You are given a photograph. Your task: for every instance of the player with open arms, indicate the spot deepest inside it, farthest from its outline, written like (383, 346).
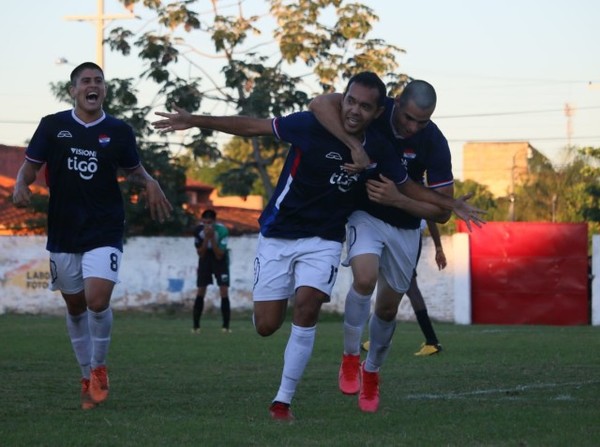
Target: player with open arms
(383, 235)
(302, 228)
(83, 149)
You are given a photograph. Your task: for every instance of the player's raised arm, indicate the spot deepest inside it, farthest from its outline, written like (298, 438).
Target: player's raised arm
(386, 192)
(243, 126)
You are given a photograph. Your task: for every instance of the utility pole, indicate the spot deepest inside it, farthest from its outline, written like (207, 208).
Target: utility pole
(101, 19)
(511, 197)
(569, 112)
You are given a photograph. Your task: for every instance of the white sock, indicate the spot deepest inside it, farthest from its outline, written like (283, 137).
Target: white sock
(79, 333)
(380, 336)
(356, 315)
(100, 328)
(297, 354)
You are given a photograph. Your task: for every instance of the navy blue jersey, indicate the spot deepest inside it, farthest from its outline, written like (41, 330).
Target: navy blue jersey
(86, 206)
(426, 156)
(314, 195)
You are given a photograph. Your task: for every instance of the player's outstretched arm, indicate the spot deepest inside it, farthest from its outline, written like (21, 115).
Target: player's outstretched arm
(386, 192)
(326, 109)
(243, 126)
(156, 201)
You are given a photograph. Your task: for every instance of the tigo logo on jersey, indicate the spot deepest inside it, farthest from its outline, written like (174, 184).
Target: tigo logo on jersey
(84, 162)
(343, 180)
(410, 154)
(103, 140)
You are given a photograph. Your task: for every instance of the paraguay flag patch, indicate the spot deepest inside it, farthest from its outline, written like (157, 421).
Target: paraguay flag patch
(103, 140)
(410, 154)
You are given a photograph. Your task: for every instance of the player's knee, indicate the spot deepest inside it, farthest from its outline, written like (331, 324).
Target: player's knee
(364, 285)
(264, 328)
(387, 313)
(76, 307)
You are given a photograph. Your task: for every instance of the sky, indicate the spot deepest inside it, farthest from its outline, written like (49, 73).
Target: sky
(503, 70)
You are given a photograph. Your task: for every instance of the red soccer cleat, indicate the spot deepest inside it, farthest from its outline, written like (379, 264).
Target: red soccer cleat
(99, 384)
(348, 378)
(368, 398)
(281, 412)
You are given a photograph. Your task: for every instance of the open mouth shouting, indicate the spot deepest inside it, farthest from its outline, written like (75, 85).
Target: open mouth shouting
(92, 98)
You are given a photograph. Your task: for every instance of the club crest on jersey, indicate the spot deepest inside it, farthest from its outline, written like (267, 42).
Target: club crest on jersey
(103, 140)
(410, 154)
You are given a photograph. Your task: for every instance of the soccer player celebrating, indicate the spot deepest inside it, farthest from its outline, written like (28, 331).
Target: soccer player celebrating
(302, 228)
(82, 149)
(384, 232)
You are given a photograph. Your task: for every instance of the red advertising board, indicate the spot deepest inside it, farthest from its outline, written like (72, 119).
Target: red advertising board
(529, 273)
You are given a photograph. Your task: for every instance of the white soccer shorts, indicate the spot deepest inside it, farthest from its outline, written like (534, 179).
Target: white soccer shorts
(68, 270)
(283, 265)
(397, 248)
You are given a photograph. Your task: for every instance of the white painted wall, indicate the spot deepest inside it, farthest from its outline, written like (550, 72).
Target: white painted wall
(151, 268)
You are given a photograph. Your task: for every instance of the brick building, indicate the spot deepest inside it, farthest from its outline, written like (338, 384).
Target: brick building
(499, 166)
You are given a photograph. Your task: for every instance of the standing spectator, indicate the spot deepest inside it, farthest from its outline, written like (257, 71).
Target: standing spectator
(83, 148)
(210, 240)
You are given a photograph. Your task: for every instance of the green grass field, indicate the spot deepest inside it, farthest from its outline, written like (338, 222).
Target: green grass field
(492, 386)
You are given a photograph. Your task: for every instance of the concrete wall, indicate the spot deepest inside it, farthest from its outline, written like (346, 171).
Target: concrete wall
(162, 272)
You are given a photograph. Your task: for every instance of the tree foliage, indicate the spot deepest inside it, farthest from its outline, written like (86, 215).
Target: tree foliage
(569, 194)
(481, 197)
(255, 79)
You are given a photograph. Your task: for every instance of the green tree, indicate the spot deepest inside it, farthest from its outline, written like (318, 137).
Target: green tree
(591, 171)
(481, 198)
(255, 80)
(535, 200)
(570, 193)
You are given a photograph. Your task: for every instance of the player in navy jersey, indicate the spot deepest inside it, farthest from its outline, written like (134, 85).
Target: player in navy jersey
(303, 225)
(383, 235)
(82, 149)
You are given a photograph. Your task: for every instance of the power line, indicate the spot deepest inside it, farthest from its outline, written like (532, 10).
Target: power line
(437, 117)
(523, 112)
(508, 140)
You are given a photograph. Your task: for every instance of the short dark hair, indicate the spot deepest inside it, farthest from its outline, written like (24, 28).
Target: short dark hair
(84, 66)
(209, 214)
(371, 80)
(421, 93)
